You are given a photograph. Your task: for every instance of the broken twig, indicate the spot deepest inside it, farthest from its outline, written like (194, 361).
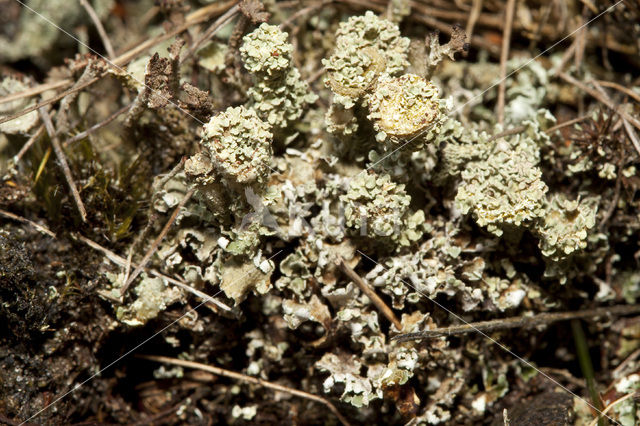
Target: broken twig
(156, 242)
(600, 97)
(101, 31)
(119, 260)
(372, 295)
(63, 162)
(519, 322)
(40, 228)
(504, 56)
(248, 379)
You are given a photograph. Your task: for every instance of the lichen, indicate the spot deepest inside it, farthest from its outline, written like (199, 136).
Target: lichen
(279, 95)
(154, 295)
(237, 147)
(358, 390)
(378, 208)
(405, 107)
(24, 123)
(504, 192)
(564, 227)
(349, 63)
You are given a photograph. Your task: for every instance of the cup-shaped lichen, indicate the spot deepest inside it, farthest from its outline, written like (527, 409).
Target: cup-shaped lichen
(503, 192)
(266, 51)
(279, 94)
(238, 145)
(375, 205)
(404, 107)
(363, 43)
(564, 228)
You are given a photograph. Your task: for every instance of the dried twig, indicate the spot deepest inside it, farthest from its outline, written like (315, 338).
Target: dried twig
(613, 204)
(95, 127)
(476, 9)
(119, 260)
(28, 144)
(600, 97)
(629, 361)
(153, 215)
(156, 242)
(304, 11)
(40, 228)
(372, 295)
(613, 404)
(632, 135)
(36, 90)
(103, 34)
(248, 379)
(504, 55)
(508, 132)
(194, 18)
(63, 162)
(520, 129)
(427, 19)
(566, 123)
(619, 88)
(48, 101)
(211, 31)
(519, 322)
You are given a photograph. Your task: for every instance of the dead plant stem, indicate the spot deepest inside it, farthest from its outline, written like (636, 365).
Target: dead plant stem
(368, 291)
(247, 379)
(504, 56)
(520, 322)
(57, 149)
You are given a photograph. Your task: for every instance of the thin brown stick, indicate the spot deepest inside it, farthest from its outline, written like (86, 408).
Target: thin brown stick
(566, 123)
(57, 149)
(619, 88)
(476, 9)
(101, 31)
(210, 32)
(10, 422)
(520, 129)
(40, 228)
(194, 18)
(247, 379)
(372, 295)
(629, 361)
(610, 406)
(508, 132)
(566, 56)
(632, 135)
(156, 242)
(581, 44)
(305, 11)
(28, 144)
(49, 101)
(600, 97)
(36, 90)
(614, 202)
(120, 261)
(95, 127)
(519, 322)
(153, 215)
(427, 19)
(566, 375)
(504, 56)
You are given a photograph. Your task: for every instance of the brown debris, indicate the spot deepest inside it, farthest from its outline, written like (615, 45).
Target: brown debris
(254, 10)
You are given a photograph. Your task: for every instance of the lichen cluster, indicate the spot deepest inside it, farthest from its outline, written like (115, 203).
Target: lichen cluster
(344, 158)
(279, 94)
(347, 189)
(237, 147)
